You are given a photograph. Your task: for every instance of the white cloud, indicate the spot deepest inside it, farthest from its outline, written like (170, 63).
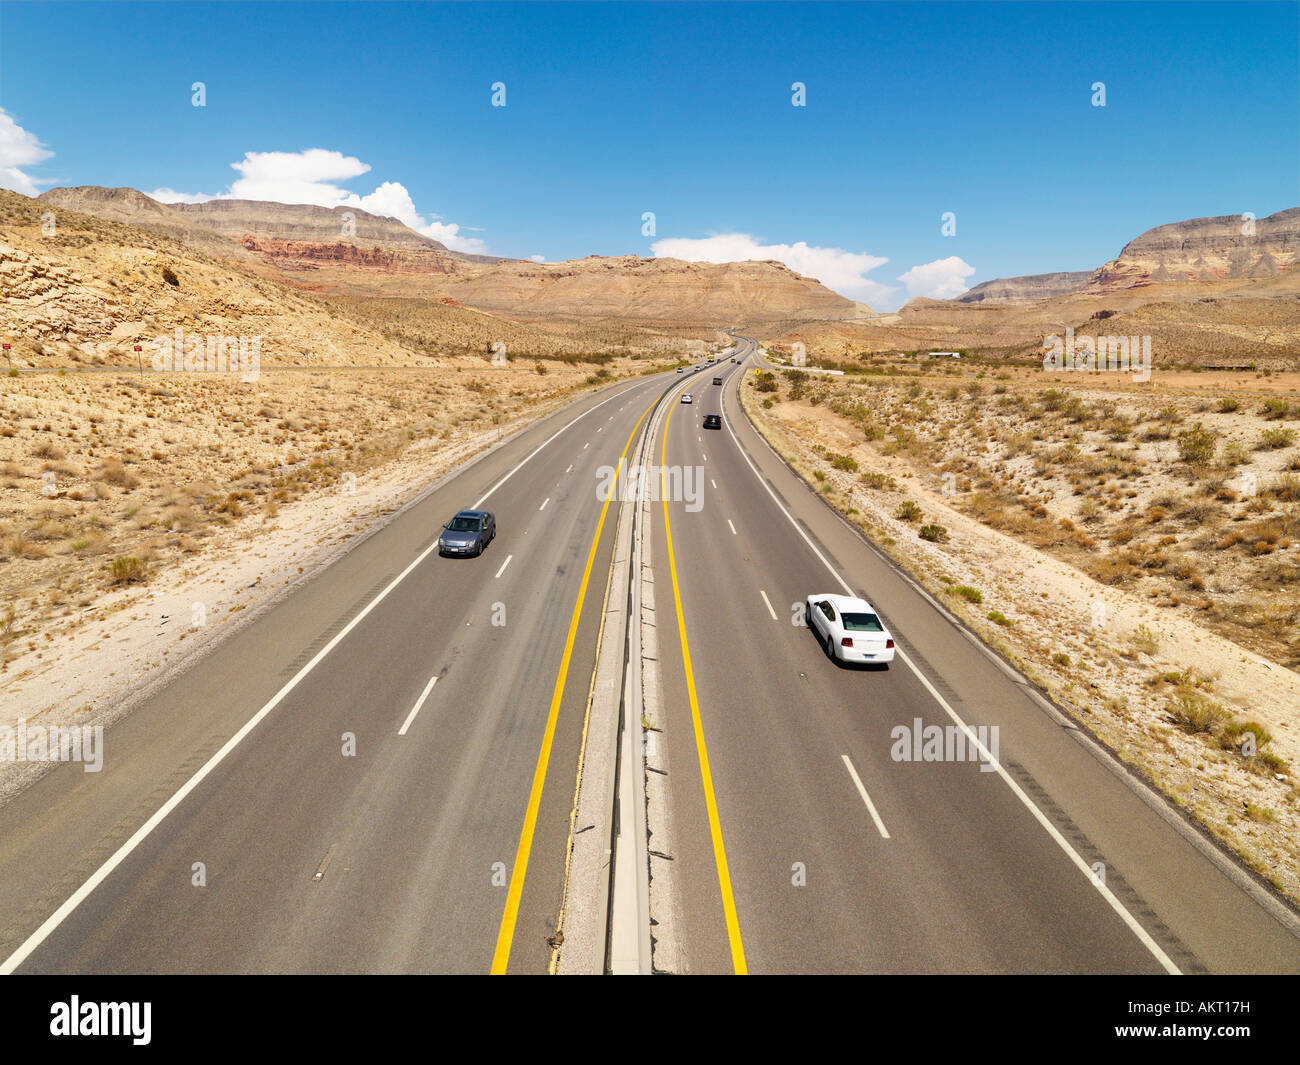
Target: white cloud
(537, 258)
(18, 148)
(295, 177)
(941, 280)
(172, 196)
(839, 270)
(314, 176)
(449, 234)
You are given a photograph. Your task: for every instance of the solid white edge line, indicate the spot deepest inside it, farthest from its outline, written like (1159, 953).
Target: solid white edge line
(871, 807)
(1119, 908)
(419, 703)
(124, 851)
(503, 566)
(768, 602)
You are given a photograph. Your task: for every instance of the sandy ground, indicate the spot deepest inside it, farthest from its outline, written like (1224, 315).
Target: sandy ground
(83, 664)
(1098, 666)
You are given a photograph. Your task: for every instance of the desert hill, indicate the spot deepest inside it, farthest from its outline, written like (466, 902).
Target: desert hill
(1199, 249)
(312, 249)
(1205, 249)
(1028, 287)
(645, 290)
(90, 292)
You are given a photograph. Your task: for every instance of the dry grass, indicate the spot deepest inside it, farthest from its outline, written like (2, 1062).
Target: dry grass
(1164, 496)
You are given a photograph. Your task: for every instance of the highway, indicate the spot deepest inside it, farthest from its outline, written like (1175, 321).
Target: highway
(839, 858)
(377, 774)
(438, 846)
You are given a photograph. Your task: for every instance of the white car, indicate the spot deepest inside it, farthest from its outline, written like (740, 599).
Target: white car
(687, 398)
(849, 629)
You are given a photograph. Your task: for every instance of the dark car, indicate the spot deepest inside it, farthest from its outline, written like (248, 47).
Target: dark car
(713, 421)
(717, 380)
(467, 533)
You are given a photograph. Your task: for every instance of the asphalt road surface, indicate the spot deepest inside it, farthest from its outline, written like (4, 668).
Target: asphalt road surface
(377, 774)
(401, 857)
(825, 854)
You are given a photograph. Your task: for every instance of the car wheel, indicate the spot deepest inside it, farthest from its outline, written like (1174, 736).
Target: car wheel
(830, 647)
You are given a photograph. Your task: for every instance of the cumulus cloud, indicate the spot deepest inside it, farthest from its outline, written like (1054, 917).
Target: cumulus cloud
(839, 270)
(172, 196)
(940, 280)
(296, 177)
(537, 258)
(450, 234)
(18, 148)
(315, 176)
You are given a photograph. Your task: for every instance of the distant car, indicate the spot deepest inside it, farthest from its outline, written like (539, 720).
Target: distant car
(680, 369)
(713, 421)
(717, 380)
(687, 398)
(849, 629)
(467, 533)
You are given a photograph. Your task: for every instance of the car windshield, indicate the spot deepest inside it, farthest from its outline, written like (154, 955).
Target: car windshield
(463, 524)
(862, 623)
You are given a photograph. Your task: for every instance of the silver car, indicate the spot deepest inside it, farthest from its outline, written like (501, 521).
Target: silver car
(467, 533)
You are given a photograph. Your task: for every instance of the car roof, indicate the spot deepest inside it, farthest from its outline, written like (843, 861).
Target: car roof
(471, 513)
(845, 602)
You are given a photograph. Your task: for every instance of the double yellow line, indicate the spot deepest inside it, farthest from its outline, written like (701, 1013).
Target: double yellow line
(506, 934)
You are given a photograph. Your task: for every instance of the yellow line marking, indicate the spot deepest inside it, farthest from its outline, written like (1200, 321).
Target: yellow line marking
(710, 802)
(506, 935)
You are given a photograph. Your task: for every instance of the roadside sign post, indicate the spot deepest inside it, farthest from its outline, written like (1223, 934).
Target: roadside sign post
(139, 359)
(9, 360)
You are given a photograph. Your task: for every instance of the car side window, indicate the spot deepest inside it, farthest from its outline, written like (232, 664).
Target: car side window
(828, 610)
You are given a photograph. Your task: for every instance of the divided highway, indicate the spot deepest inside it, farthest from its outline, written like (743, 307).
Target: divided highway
(377, 774)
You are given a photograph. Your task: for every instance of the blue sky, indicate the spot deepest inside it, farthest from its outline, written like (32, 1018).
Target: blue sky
(683, 110)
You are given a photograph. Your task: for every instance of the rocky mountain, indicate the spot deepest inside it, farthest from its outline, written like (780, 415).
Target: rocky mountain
(1206, 249)
(134, 208)
(344, 251)
(639, 289)
(1199, 250)
(88, 292)
(94, 288)
(273, 231)
(1028, 287)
